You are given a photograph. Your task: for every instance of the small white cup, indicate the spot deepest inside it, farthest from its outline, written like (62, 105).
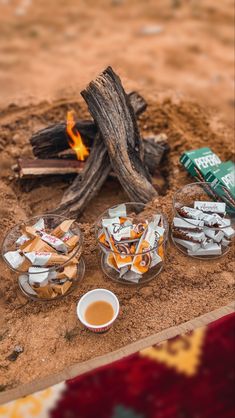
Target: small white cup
(94, 296)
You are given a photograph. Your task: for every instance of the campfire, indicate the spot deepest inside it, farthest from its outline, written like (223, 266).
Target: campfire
(75, 139)
(110, 144)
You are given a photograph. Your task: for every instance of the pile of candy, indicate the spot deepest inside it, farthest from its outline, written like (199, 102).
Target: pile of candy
(39, 253)
(132, 245)
(203, 230)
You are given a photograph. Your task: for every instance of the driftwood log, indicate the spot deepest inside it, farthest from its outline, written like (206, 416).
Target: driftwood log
(111, 109)
(51, 141)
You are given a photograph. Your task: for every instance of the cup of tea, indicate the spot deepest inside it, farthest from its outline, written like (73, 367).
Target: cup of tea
(98, 309)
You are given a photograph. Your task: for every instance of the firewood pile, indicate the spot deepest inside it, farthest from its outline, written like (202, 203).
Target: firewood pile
(112, 140)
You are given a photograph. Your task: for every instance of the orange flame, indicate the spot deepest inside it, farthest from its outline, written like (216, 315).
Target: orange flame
(75, 139)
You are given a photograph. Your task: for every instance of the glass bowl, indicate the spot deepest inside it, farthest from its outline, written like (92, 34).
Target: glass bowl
(133, 260)
(202, 226)
(57, 278)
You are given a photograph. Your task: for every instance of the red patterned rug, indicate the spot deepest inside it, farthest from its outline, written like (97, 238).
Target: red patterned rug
(190, 376)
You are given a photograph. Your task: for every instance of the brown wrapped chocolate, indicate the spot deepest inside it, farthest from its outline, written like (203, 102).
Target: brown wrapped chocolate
(45, 292)
(69, 271)
(61, 289)
(72, 242)
(37, 244)
(61, 229)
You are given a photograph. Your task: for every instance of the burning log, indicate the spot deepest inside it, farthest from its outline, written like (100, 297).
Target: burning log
(28, 168)
(129, 168)
(49, 142)
(110, 108)
(87, 185)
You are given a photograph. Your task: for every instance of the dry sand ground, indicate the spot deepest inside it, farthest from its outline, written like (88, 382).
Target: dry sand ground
(53, 51)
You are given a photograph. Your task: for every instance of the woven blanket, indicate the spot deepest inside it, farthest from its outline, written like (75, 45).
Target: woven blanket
(189, 376)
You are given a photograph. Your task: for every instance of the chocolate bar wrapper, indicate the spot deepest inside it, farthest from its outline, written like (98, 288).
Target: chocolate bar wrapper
(23, 280)
(38, 276)
(142, 261)
(45, 292)
(214, 207)
(213, 249)
(72, 242)
(61, 289)
(123, 270)
(188, 236)
(188, 223)
(54, 242)
(66, 236)
(38, 226)
(70, 271)
(192, 213)
(107, 222)
(123, 258)
(110, 261)
(132, 277)
(192, 246)
(63, 228)
(39, 258)
(156, 259)
(36, 244)
(17, 261)
(118, 211)
(103, 240)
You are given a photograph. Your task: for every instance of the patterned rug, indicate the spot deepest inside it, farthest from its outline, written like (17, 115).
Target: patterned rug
(190, 376)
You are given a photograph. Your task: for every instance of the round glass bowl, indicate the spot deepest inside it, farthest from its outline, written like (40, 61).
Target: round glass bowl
(132, 243)
(202, 227)
(43, 279)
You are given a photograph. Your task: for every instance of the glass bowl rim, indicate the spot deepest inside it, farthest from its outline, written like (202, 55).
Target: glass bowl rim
(200, 184)
(33, 218)
(165, 236)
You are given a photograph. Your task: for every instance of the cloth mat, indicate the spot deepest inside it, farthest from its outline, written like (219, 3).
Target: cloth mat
(189, 376)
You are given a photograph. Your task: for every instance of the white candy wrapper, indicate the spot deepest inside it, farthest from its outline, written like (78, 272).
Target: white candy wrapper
(225, 242)
(16, 260)
(38, 276)
(196, 236)
(67, 236)
(38, 226)
(54, 242)
(213, 220)
(41, 258)
(191, 212)
(120, 232)
(213, 249)
(141, 262)
(131, 276)
(118, 211)
(229, 232)
(207, 243)
(218, 236)
(107, 222)
(214, 207)
(192, 246)
(123, 271)
(156, 259)
(188, 224)
(23, 280)
(209, 232)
